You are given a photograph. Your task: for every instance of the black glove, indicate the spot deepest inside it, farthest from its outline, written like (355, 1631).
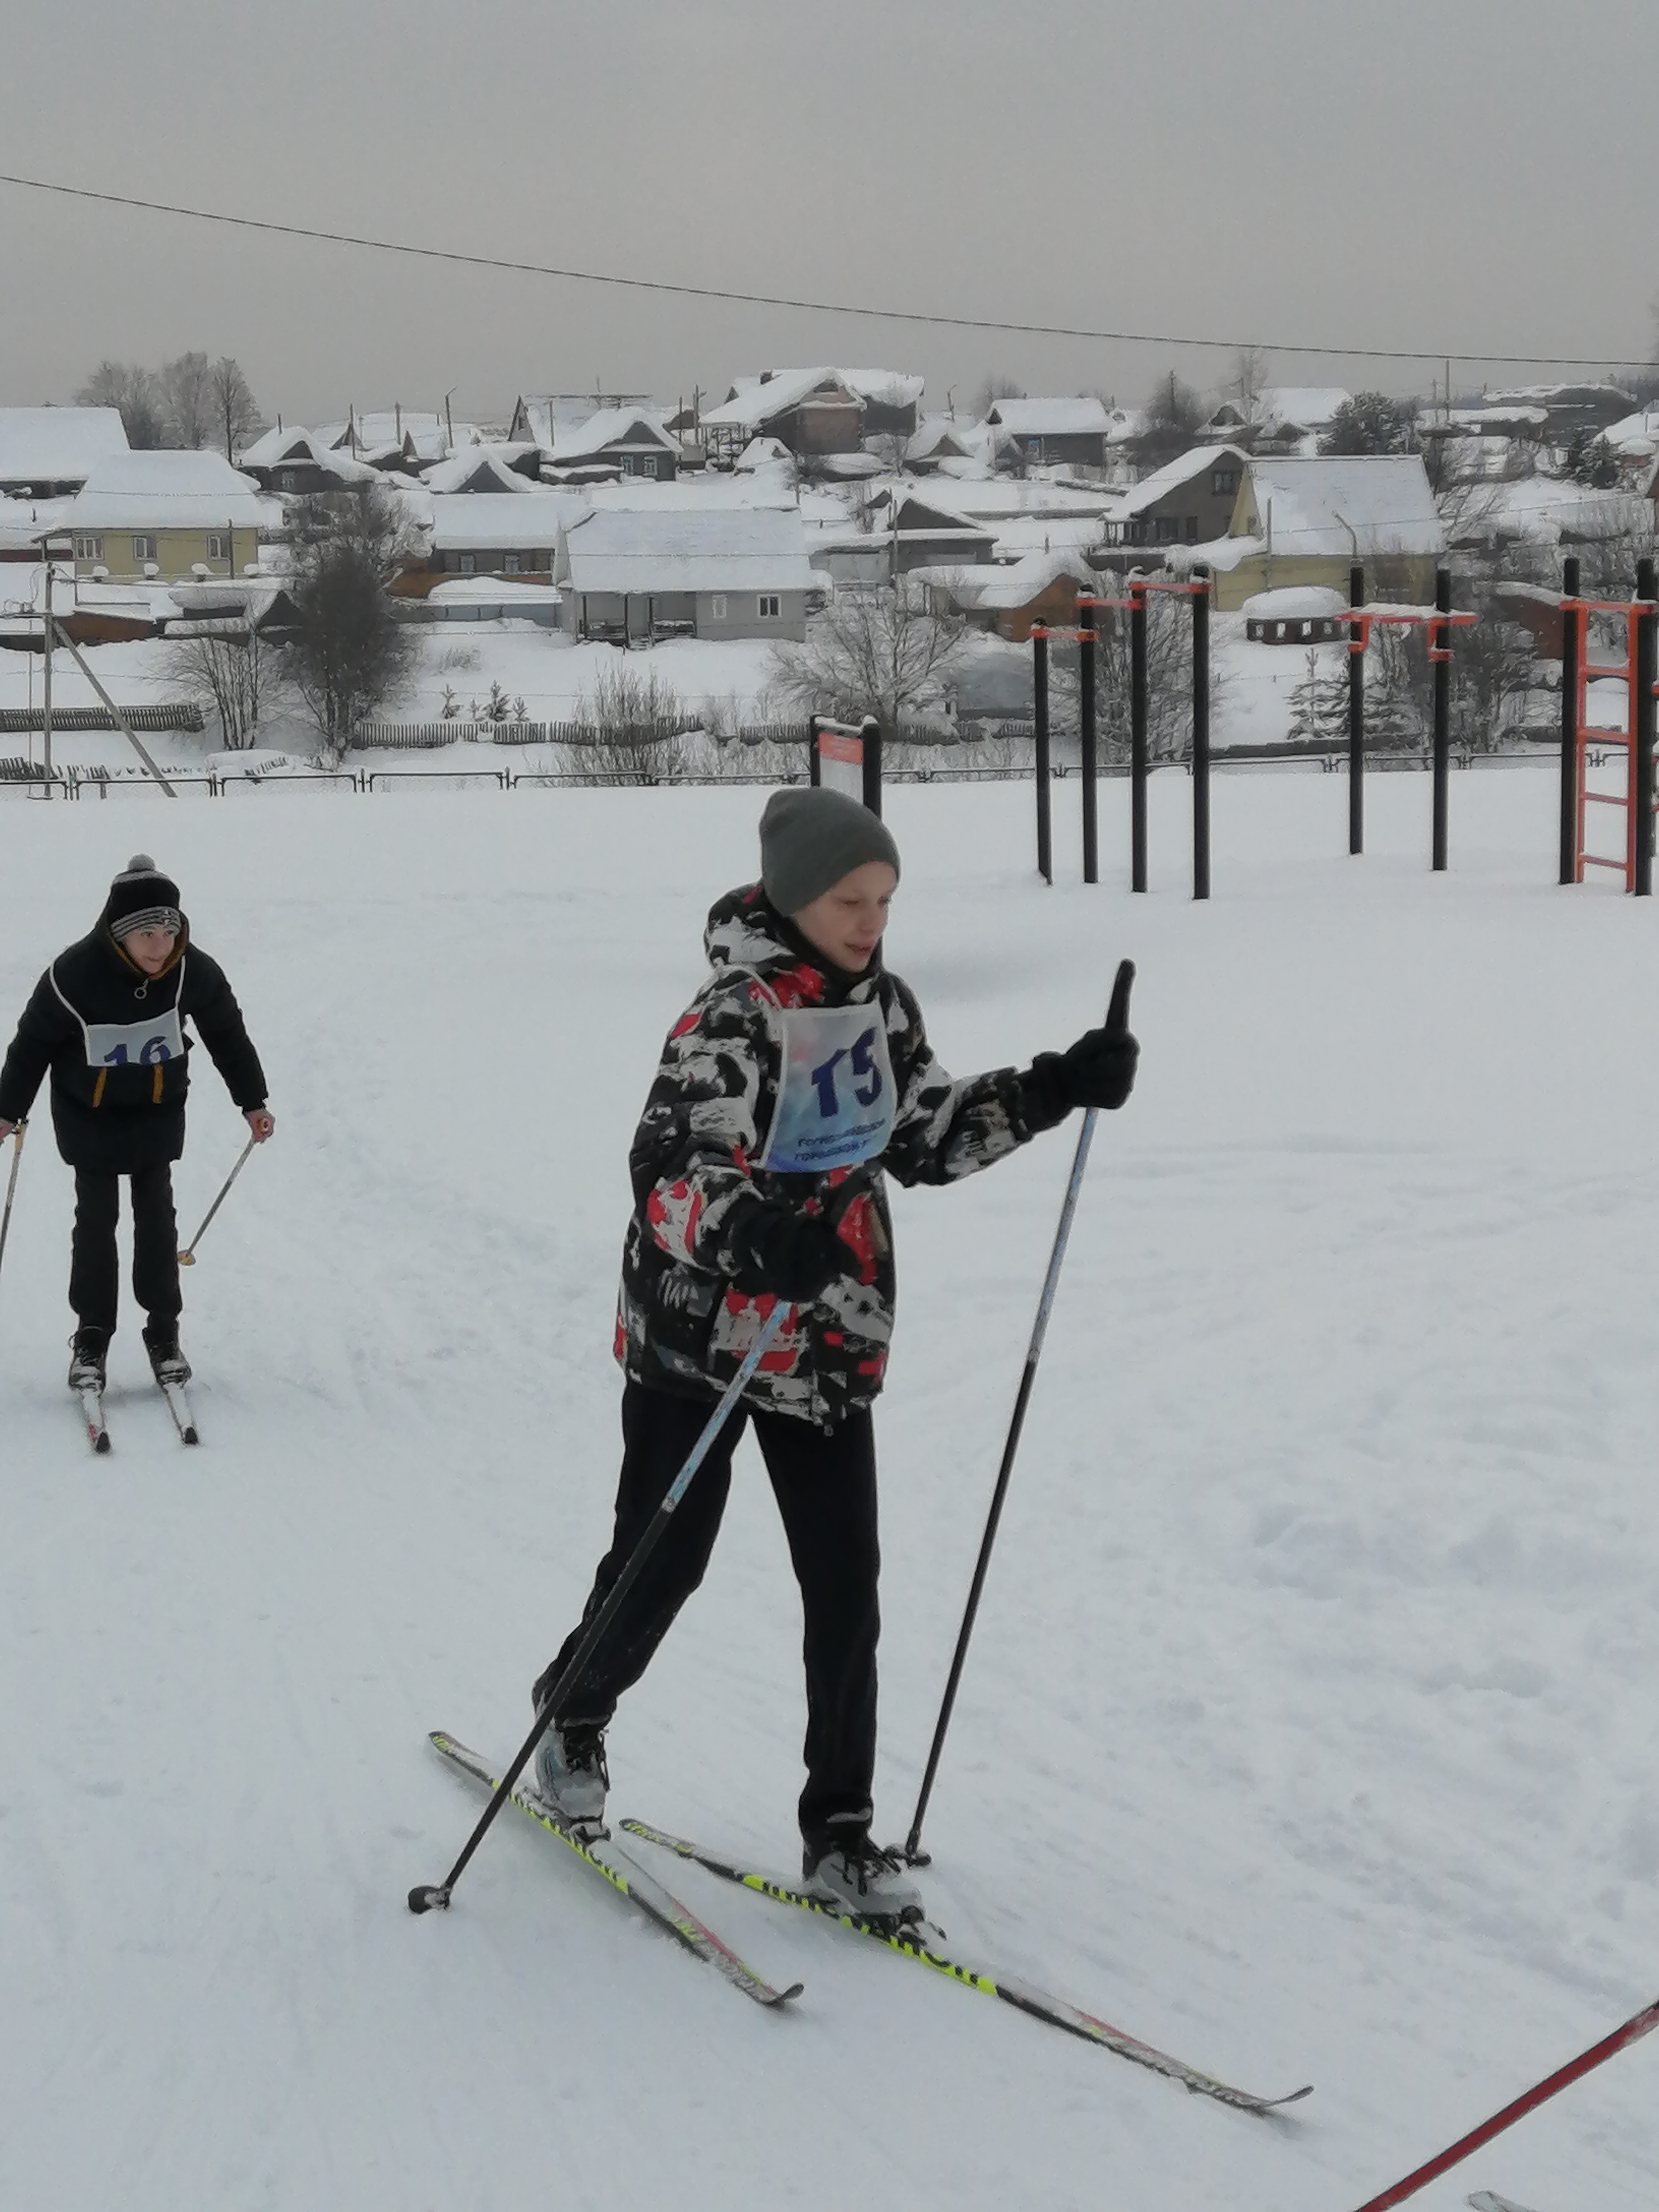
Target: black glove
(793, 1255)
(1099, 1070)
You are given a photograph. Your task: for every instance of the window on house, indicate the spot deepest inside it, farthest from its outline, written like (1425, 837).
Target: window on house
(144, 549)
(218, 546)
(767, 606)
(89, 548)
(469, 564)
(1223, 481)
(1191, 530)
(1169, 529)
(648, 465)
(627, 464)
(285, 479)
(510, 566)
(717, 607)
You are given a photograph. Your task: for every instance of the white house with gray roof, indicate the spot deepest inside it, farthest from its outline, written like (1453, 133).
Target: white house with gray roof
(631, 575)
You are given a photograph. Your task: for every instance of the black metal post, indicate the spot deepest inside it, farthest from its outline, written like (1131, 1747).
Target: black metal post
(870, 738)
(1201, 733)
(1040, 716)
(1570, 574)
(814, 767)
(1442, 635)
(1087, 762)
(1647, 667)
(1137, 735)
(1356, 718)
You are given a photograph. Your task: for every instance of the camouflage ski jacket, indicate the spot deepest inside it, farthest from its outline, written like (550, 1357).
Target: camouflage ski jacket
(680, 1325)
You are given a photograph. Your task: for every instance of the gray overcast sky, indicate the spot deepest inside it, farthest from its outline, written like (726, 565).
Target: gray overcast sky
(1464, 176)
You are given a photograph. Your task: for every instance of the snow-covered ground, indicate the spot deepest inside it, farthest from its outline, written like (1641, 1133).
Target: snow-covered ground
(1308, 1729)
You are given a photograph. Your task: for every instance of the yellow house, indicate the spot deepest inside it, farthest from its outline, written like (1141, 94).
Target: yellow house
(165, 516)
(1307, 519)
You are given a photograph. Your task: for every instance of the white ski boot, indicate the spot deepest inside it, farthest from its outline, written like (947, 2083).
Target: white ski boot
(88, 1350)
(858, 1877)
(571, 1774)
(166, 1361)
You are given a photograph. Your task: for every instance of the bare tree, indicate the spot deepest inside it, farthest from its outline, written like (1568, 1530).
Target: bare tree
(230, 398)
(633, 727)
(993, 388)
(1169, 681)
(229, 667)
(348, 652)
(1250, 375)
(1174, 415)
(184, 387)
(135, 392)
(878, 653)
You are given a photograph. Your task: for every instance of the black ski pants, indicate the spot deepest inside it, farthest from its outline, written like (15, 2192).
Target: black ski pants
(825, 1482)
(95, 1268)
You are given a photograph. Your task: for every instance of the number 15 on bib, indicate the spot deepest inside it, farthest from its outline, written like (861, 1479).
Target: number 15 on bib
(834, 1103)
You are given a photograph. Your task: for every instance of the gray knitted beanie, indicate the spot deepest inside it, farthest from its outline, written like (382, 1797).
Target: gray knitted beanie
(141, 897)
(810, 838)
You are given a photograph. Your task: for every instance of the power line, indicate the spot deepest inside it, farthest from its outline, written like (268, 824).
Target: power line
(815, 306)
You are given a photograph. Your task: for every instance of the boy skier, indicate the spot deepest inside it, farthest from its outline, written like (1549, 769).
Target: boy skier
(107, 1020)
(801, 1072)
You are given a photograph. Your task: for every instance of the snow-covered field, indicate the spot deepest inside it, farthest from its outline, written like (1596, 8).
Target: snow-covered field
(1310, 1727)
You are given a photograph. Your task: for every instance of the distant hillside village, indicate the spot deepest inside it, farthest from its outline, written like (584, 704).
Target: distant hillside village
(615, 517)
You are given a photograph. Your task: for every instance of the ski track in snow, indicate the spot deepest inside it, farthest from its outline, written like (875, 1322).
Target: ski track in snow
(1309, 1727)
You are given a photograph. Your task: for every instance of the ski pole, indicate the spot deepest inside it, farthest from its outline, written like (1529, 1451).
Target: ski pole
(187, 1257)
(11, 1186)
(1117, 1018)
(422, 1898)
(1643, 2023)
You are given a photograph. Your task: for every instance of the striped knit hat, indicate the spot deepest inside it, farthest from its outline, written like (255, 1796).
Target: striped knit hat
(141, 897)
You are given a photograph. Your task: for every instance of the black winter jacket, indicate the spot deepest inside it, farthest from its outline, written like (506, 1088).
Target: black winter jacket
(681, 1325)
(114, 1040)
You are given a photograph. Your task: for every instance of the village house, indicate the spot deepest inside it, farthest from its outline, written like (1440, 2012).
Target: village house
(1186, 502)
(926, 532)
(1074, 430)
(491, 533)
(292, 460)
(168, 515)
(615, 443)
(48, 453)
(485, 469)
(1039, 591)
(892, 401)
(1303, 520)
(809, 411)
(537, 421)
(631, 575)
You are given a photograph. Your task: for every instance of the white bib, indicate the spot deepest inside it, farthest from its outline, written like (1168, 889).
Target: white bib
(835, 1105)
(158, 1036)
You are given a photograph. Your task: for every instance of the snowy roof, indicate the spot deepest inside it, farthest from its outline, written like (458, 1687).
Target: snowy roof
(1545, 511)
(392, 430)
(687, 494)
(635, 426)
(1015, 583)
(886, 386)
(167, 491)
(542, 417)
(54, 445)
(1385, 497)
(1299, 406)
(1495, 421)
(491, 463)
(275, 445)
(922, 514)
(479, 521)
(1125, 424)
(937, 434)
(998, 499)
(738, 550)
(493, 591)
(757, 400)
(1558, 395)
(1051, 418)
(1635, 437)
(1294, 603)
(1172, 476)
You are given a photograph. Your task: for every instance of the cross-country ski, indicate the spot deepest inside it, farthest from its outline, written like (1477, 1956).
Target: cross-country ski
(916, 1937)
(629, 1878)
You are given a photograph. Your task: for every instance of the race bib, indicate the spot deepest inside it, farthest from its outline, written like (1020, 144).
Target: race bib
(135, 1044)
(835, 1105)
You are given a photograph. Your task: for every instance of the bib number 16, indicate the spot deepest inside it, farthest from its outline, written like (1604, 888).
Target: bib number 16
(151, 1053)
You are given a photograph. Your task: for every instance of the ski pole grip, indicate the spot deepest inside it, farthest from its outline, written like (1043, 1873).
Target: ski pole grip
(1117, 1014)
